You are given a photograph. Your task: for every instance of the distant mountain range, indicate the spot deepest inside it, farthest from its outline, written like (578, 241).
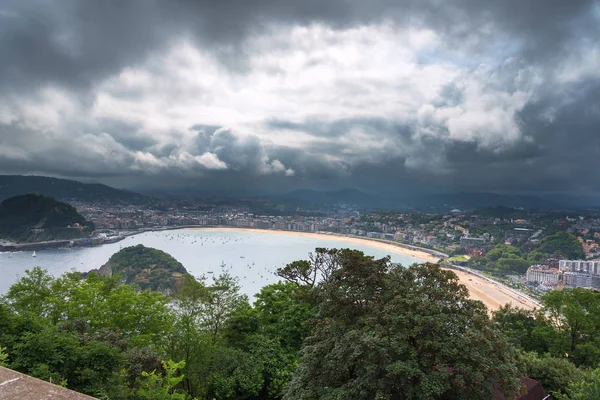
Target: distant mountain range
(423, 203)
(65, 190)
(479, 200)
(350, 197)
(304, 199)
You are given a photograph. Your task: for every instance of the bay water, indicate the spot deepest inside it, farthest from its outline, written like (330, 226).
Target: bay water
(252, 256)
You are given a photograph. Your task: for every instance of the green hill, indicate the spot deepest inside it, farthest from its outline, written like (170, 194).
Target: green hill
(35, 218)
(147, 267)
(564, 244)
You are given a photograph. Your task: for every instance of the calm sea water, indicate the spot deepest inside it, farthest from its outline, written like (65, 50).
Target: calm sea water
(251, 256)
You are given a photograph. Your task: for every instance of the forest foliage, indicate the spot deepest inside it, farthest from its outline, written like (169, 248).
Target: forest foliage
(339, 325)
(559, 343)
(146, 267)
(505, 259)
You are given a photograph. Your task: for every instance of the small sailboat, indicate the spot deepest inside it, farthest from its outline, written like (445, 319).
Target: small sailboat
(34, 255)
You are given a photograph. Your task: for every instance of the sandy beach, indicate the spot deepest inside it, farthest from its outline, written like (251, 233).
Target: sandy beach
(492, 294)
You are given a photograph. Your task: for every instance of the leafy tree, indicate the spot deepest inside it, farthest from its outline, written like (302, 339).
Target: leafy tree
(537, 257)
(575, 316)
(260, 371)
(223, 300)
(188, 341)
(567, 326)
(518, 325)
(587, 388)
(79, 331)
(3, 357)
(155, 386)
(30, 294)
(139, 360)
(204, 339)
(343, 326)
(100, 301)
(283, 312)
(390, 332)
(55, 354)
(555, 374)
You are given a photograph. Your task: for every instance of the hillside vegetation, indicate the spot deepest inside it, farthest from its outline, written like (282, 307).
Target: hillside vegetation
(564, 244)
(505, 259)
(146, 267)
(34, 218)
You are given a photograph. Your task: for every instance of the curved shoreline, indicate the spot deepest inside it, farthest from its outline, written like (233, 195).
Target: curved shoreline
(492, 293)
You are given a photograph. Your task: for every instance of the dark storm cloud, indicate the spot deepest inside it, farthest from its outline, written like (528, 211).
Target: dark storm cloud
(73, 42)
(76, 45)
(561, 151)
(126, 134)
(77, 42)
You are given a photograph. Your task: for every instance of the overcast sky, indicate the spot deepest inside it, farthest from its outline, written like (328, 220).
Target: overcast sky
(257, 96)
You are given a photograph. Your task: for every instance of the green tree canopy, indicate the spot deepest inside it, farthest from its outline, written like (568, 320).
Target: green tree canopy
(563, 340)
(502, 259)
(503, 251)
(555, 374)
(96, 305)
(587, 388)
(563, 243)
(575, 319)
(283, 312)
(146, 267)
(389, 332)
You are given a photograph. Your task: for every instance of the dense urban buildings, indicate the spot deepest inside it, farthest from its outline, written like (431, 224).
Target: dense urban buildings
(544, 249)
(570, 273)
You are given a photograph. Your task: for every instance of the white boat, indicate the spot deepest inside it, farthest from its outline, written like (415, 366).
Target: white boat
(33, 255)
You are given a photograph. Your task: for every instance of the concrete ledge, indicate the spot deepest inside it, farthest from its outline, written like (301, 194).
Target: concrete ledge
(15, 385)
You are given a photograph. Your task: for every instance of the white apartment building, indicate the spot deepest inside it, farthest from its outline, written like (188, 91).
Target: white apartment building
(539, 274)
(589, 267)
(575, 279)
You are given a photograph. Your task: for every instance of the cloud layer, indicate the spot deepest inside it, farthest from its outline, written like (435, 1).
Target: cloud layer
(267, 96)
